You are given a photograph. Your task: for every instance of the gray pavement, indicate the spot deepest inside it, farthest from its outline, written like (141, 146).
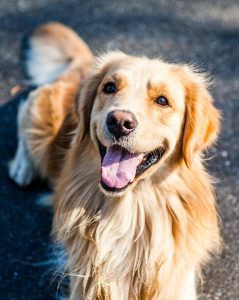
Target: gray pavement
(202, 32)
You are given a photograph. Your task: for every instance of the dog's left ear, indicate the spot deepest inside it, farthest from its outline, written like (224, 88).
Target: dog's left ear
(202, 119)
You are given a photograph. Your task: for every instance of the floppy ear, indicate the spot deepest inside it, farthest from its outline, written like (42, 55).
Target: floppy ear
(89, 88)
(202, 121)
(84, 103)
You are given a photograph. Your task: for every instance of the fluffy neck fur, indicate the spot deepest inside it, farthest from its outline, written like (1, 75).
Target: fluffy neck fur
(135, 244)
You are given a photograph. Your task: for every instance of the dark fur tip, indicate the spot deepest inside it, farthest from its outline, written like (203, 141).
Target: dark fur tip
(24, 54)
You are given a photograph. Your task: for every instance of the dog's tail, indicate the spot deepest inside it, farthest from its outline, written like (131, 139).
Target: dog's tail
(54, 50)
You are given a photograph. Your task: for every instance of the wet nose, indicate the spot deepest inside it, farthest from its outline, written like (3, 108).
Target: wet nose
(121, 123)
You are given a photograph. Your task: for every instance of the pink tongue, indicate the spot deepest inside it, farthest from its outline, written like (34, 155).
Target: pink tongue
(119, 167)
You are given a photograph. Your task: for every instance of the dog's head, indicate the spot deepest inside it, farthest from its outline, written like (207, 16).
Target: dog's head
(141, 114)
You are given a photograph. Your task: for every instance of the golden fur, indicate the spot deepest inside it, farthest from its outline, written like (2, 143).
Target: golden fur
(151, 240)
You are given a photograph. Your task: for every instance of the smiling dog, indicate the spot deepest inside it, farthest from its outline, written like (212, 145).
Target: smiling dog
(121, 139)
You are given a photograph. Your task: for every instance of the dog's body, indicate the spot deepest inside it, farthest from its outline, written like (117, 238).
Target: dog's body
(137, 217)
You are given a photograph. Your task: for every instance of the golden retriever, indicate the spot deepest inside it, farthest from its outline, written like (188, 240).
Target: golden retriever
(121, 139)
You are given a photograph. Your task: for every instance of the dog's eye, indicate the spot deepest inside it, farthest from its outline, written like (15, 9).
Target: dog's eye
(161, 100)
(110, 88)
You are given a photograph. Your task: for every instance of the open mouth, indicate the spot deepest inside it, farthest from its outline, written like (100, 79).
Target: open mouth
(120, 167)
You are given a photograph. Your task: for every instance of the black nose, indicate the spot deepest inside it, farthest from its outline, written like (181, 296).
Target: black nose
(121, 123)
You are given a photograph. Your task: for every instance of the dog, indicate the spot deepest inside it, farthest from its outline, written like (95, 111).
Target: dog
(121, 139)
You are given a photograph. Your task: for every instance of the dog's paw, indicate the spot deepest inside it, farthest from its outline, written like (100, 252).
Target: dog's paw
(22, 171)
(45, 200)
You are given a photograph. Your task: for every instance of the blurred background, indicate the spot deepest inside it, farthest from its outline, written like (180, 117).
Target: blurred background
(205, 33)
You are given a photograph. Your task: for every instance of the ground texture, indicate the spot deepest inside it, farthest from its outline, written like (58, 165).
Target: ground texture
(201, 32)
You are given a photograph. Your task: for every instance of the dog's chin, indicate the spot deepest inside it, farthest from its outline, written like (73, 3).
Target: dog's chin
(113, 192)
(147, 161)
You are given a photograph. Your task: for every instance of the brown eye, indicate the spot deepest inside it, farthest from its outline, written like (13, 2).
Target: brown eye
(110, 88)
(161, 100)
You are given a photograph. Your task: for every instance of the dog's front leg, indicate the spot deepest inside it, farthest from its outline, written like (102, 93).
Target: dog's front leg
(21, 168)
(189, 287)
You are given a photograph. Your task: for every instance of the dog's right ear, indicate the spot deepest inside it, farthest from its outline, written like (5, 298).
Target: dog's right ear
(89, 88)
(85, 101)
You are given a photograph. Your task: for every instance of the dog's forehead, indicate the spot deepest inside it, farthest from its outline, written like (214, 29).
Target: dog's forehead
(146, 72)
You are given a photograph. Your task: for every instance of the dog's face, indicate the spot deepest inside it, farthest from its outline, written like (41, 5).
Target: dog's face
(140, 117)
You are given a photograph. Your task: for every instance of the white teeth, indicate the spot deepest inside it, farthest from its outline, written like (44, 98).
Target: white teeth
(141, 156)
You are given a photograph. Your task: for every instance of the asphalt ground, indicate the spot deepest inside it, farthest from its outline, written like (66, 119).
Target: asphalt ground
(205, 33)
